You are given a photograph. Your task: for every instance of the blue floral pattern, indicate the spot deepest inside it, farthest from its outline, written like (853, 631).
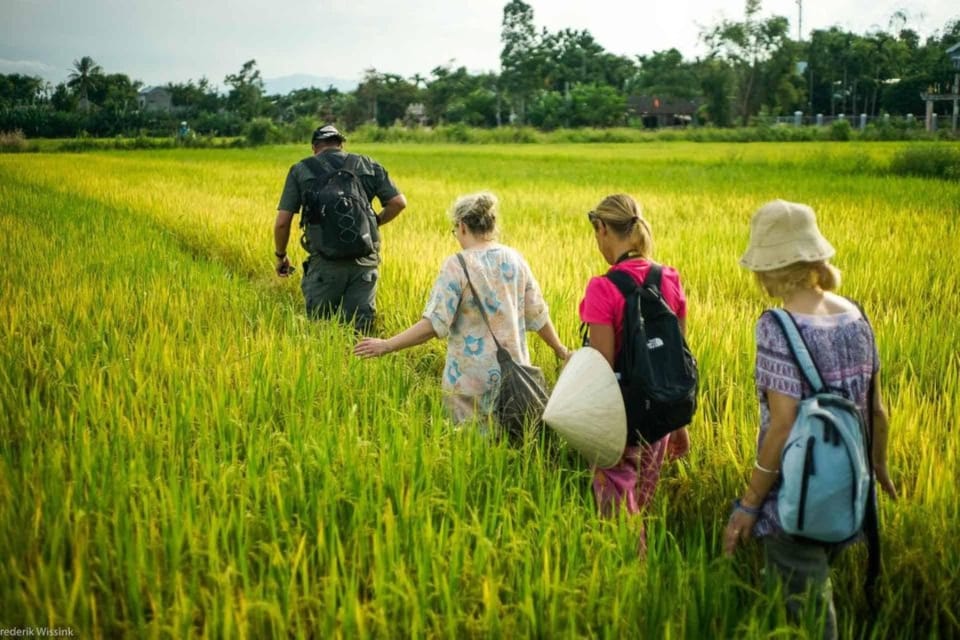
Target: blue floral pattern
(514, 303)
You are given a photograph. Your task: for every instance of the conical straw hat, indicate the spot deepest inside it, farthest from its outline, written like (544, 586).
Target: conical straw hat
(586, 408)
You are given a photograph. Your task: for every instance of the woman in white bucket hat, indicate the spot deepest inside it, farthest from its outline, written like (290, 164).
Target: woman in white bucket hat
(791, 261)
(625, 240)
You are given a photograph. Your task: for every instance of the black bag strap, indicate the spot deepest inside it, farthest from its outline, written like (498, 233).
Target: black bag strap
(323, 171)
(624, 281)
(654, 277)
(623, 359)
(351, 163)
(320, 170)
(483, 312)
(871, 519)
(322, 174)
(627, 285)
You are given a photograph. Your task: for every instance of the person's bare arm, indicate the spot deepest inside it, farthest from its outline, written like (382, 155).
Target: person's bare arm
(391, 209)
(783, 413)
(281, 237)
(881, 427)
(602, 339)
(418, 333)
(549, 335)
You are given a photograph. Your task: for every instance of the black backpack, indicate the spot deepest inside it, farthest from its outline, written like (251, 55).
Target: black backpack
(657, 372)
(338, 221)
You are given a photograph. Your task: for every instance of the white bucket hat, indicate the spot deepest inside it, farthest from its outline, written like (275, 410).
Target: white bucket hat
(586, 408)
(784, 233)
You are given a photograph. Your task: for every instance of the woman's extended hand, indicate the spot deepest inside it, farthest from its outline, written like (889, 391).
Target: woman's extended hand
(739, 529)
(371, 348)
(417, 333)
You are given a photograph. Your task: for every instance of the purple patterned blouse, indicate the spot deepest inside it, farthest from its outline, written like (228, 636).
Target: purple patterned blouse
(845, 351)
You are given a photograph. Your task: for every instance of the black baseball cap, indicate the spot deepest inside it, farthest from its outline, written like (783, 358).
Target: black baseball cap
(327, 132)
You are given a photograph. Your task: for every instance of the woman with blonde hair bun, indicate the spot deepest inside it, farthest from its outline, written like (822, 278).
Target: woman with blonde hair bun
(511, 297)
(625, 240)
(791, 261)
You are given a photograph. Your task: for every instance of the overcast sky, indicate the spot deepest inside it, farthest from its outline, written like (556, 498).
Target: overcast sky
(160, 41)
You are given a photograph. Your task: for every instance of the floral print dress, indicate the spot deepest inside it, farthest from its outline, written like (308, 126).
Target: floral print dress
(514, 305)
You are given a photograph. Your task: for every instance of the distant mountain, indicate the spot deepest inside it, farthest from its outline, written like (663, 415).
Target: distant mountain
(286, 84)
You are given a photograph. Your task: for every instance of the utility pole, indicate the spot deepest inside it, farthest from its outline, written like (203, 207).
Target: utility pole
(799, 20)
(807, 65)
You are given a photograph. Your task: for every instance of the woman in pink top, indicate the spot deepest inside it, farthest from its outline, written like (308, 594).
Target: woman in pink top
(626, 243)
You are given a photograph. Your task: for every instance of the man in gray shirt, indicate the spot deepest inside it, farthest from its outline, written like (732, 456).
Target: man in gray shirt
(344, 288)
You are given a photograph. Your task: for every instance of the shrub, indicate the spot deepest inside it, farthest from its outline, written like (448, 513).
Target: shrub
(456, 133)
(80, 143)
(840, 130)
(300, 130)
(13, 141)
(929, 161)
(260, 131)
(512, 135)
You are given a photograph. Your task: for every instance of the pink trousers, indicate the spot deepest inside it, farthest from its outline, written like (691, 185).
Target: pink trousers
(631, 482)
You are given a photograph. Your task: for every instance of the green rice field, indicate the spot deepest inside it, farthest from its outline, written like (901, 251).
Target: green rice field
(184, 455)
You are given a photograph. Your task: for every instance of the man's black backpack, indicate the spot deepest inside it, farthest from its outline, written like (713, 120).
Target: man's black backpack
(338, 221)
(657, 372)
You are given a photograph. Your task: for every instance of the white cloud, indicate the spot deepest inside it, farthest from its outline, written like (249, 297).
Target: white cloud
(176, 40)
(26, 67)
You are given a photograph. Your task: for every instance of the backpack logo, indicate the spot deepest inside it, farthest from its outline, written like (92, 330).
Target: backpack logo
(657, 372)
(338, 221)
(824, 467)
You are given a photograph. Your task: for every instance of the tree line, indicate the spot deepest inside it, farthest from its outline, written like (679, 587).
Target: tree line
(752, 69)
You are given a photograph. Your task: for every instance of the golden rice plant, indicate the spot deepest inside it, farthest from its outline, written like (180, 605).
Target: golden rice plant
(183, 454)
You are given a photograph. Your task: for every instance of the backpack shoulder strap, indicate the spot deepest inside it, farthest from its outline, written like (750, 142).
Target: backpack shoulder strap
(351, 163)
(799, 349)
(623, 281)
(317, 167)
(654, 277)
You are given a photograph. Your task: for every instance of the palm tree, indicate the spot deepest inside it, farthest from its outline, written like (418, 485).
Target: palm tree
(81, 79)
(417, 80)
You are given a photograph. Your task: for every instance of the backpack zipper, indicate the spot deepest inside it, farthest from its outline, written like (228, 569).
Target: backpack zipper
(808, 470)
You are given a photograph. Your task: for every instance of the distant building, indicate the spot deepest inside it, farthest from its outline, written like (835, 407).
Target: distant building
(155, 99)
(415, 115)
(655, 112)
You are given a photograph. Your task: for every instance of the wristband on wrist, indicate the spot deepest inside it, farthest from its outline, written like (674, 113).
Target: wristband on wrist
(760, 467)
(739, 506)
(280, 255)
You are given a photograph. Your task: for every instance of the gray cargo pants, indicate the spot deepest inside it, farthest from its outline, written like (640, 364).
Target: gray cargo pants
(340, 289)
(803, 570)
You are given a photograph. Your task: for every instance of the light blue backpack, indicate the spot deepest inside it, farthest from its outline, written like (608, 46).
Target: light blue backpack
(825, 470)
